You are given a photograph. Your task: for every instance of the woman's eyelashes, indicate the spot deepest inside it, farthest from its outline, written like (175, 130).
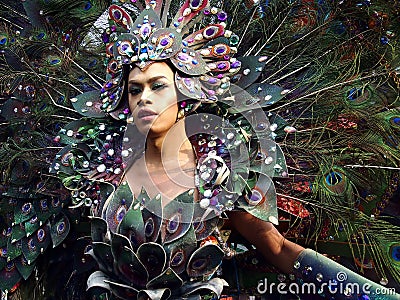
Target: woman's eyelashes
(136, 90)
(158, 86)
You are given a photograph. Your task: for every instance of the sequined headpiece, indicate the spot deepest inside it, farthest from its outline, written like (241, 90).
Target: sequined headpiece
(204, 58)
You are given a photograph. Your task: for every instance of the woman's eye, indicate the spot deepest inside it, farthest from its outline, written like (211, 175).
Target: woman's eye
(134, 91)
(157, 86)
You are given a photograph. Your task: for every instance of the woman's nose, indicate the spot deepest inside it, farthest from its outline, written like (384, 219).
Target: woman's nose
(146, 97)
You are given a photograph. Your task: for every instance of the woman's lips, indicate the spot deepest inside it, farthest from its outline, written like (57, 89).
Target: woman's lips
(146, 114)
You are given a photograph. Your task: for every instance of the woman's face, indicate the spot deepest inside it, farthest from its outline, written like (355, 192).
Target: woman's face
(153, 99)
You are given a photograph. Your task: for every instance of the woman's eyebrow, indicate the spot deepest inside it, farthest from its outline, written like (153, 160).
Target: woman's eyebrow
(152, 79)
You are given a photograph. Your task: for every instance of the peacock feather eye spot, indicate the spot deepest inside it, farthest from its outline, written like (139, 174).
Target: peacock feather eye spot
(8, 232)
(117, 14)
(24, 261)
(31, 245)
(66, 159)
(199, 264)
(10, 266)
(88, 5)
(333, 178)
(395, 121)
(220, 50)
(134, 240)
(41, 234)
(61, 228)
(55, 61)
(255, 197)
(196, 4)
(120, 214)
(93, 63)
(354, 93)
(56, 202)
(165, 41)
(26, 208)
(173, 223)
(43, 205)
(40, 35)
(149, 227)
(87, 248)
(178, 258)
(210, 32)
(395, 252)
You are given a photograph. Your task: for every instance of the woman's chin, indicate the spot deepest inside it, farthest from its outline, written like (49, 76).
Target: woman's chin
(144, 124)
(154, 127)
(150, 130)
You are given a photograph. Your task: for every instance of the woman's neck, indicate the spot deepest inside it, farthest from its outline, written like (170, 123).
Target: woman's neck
(170, 150)
(167, 168)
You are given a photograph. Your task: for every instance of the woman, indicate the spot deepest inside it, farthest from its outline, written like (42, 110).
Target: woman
(164, 168)
(165, 171)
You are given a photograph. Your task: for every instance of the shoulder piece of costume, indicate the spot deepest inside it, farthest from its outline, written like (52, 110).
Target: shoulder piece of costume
(291, 108)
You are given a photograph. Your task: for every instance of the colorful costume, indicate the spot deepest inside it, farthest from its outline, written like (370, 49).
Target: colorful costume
(296, 111)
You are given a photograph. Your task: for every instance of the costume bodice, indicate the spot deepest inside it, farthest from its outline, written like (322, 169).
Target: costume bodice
(173, 220)
(176, 245)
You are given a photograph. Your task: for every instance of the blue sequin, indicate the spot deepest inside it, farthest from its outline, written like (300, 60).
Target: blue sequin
(384, 40)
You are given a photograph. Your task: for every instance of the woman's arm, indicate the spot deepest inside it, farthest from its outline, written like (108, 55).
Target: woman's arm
(277, 250)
